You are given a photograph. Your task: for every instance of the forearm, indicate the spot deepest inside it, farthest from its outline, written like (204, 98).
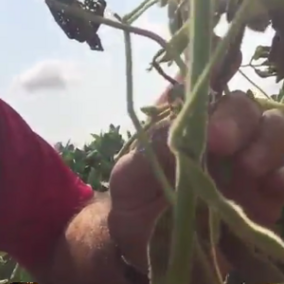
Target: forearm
(85, 253)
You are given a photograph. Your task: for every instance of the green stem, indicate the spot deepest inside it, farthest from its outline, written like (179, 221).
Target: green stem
(143, 137)
(200, 34)
(182, 249)
(184, 212)
(182, 120)
(214, 235)
(255, 85)
(137, 12)
(203, 260)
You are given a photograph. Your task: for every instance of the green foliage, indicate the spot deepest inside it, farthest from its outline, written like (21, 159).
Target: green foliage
(94, 161)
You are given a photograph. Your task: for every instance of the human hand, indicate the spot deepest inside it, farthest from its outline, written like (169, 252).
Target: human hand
(246, 158)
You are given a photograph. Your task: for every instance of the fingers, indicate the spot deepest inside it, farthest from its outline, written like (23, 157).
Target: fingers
(255, 142)
(232, 124)
(133, 182)
(237, 125)
(137, 197)
(247, 192)
(266, 152)
(272, 191)
(272, 185)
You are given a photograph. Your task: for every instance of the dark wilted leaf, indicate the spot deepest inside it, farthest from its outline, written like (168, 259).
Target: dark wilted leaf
(261, 52)
(77, 28)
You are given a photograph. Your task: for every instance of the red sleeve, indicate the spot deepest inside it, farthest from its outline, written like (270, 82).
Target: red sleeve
(38, 192)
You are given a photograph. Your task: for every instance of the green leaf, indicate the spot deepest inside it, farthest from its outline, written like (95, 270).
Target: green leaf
(93, 178)
(179, 42)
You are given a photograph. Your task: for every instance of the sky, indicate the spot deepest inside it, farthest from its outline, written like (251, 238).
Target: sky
(66, 91)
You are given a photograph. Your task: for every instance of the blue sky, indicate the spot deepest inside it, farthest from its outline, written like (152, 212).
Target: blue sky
(94, 83)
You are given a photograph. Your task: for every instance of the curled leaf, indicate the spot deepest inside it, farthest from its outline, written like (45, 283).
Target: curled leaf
(154, 111)
(261, 52)
(179, 42)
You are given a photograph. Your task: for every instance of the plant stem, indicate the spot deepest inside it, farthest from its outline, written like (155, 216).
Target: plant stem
(212, 278)
(180, 262)
(255, 85)
(200, 32)
(137, 12)
(169, 193)
(182, 120)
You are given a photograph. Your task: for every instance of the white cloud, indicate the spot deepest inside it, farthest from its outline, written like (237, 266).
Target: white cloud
(49, 75)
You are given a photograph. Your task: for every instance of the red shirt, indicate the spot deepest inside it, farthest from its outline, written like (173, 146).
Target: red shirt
(38, 193)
